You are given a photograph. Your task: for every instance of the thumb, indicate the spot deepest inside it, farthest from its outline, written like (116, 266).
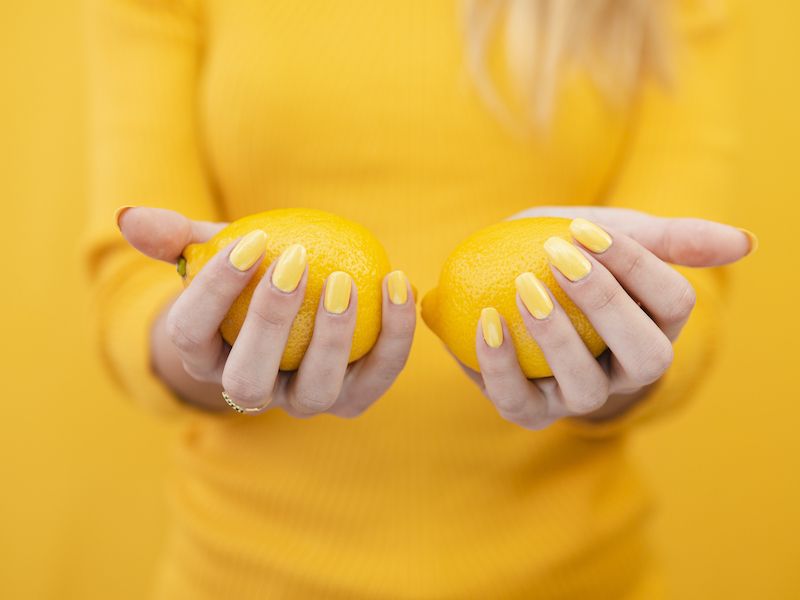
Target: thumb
(161, 233)
(694, 242)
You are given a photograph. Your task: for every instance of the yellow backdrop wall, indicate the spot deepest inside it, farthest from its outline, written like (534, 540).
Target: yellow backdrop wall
(81, 511)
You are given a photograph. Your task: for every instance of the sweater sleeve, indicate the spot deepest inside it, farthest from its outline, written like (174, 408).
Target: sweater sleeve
(144, 62)
(680, 161)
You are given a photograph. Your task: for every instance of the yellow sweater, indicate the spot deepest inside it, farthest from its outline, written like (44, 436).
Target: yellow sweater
(221, 108)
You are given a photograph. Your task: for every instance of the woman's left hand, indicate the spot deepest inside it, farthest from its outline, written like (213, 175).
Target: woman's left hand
(619, 277)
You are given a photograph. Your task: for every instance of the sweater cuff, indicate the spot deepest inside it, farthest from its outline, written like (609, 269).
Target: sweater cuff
(129, 298)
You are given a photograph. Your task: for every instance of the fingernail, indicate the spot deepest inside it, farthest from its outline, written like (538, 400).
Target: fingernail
(534, 295)
(290, 267)
(248, 250)
(397, 283)
(590, 235)
(751, 237)
(119, 211)
(491, 327)
(337, 292)
(567, 258)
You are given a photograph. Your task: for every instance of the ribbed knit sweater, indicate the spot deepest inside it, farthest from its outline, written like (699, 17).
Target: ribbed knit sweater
(221, 108)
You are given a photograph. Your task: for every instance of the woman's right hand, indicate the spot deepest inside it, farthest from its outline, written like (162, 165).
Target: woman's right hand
(190, 355)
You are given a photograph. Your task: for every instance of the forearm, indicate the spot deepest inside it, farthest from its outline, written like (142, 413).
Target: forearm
(168, 366)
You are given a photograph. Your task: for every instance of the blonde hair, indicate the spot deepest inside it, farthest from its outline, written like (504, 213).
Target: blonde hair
(617, 42)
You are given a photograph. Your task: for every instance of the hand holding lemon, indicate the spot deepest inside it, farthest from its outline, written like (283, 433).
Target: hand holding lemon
(539, 296)
(288, 308)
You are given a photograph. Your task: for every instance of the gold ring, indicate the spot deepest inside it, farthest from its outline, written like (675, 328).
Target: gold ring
(240, 409)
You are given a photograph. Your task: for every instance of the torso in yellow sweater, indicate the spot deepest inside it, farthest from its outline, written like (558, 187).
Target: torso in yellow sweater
(364, 109)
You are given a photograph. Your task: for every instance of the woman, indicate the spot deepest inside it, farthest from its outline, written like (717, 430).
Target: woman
(442, 489)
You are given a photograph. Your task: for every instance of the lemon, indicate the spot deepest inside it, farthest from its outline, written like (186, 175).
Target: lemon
(480, 273)
(333, 244)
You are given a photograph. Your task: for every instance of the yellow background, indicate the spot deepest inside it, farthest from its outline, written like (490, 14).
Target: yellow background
(81, 512)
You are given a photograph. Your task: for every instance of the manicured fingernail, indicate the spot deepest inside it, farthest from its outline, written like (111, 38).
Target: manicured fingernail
(567, 258)
(397, 283)
(248, 250)
(590, 235)
(491, 327)
(534, 295)
(289, 269)
(751, 237)
(337, 292)
(119, 211)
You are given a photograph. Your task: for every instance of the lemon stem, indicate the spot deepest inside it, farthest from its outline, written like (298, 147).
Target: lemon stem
(181, 267)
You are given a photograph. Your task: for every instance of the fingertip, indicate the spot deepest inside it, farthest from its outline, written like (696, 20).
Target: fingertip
(399, 307)
(752, 241)
(337, 293)
(119, 212)
(398, 288)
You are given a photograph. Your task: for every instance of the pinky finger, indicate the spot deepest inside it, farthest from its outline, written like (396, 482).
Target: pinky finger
(373, 375)
(515, 398)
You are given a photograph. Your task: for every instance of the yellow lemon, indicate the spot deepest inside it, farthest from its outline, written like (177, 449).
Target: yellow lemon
(333, 244)
(480, 273)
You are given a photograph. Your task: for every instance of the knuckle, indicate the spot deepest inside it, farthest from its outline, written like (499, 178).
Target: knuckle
(686, 239)
(217, 289)
(390, 366)
(199, 374)
(592, 397)
(242, 389)
(684, 305)
(555, 336)
(220, 281)
(493, 369)
(394, 364)
(509, 406)
(672, 239)
(602, 296)
(310, 402)
(268, 318)
(515, 412)
(331, 342)
(180, 334)
(632, 266)
(654, 363)
(351, 410)
(694, 240)
(401, 327)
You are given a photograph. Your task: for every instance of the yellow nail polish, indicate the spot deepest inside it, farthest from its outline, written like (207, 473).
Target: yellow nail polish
(534, 295)
(567, 259)
(491, 327)
(249, 249)
(397, 283)
(119, 211)
(590, 235)
(337, 292)
(289, 269)
(751, 237)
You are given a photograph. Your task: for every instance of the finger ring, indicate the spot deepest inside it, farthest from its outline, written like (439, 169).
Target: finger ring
(241, 409)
